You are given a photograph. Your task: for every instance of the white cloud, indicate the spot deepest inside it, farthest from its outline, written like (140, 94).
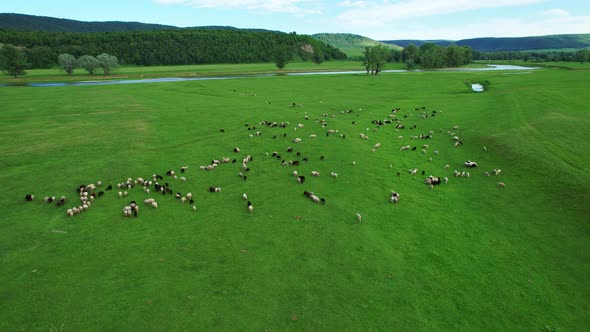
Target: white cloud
(266, 6)
(356, 4)
(379, 14)
(555, 13)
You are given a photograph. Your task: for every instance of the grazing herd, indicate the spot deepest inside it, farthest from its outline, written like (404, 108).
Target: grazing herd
(156, 184)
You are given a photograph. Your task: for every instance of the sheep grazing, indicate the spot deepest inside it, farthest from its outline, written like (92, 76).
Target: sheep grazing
(313, 136)
(359, 218)
(250, 207)
(183, 169)
(109, 187)
(377, 146)
(363, 136)
(485, 149)
(334, 174)
(403, 148)
(501, 185)
(70, 212)
(315, 173)
(470, 164)
(295, 173)
(62, 200)
(301, 179)
(322, 201)
(394, 197)
(237, 150)
(400, 137)
(297, 140)
(183, 199)
(182, 178)
(446, 166)
(413, 171)
(154, 204)
(29, 197)
(245, 197)
(486, 173)
(195, 208)
(432, 181)
(170, 173)
(496, 171)
(214, 189)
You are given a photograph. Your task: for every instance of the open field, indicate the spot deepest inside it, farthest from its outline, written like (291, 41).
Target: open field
(136, 72)
(466, 255)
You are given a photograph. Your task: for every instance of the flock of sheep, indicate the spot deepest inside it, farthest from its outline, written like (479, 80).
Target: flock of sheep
(159, 185)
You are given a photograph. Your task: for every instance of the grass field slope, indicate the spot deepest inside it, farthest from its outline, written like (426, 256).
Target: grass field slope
(466, 254)
(352, 45)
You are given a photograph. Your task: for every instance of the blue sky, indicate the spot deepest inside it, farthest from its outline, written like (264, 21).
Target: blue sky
(378, 19)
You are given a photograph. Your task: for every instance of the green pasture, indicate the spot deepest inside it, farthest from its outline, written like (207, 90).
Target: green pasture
(465, 256)
(55, 74)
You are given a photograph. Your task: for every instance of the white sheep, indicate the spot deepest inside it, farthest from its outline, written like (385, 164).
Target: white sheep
(315, 173)
(245, 197)
(195, 208)
(120, 194)
(359, 218)
(154, 204)
(313, 136)
(501, 185)
(377, 146)
(295, 173)
(250, 208)
(334, 174)
(182, 178)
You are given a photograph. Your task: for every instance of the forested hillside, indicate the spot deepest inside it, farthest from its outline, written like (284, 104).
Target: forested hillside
(169, 47)
(52, 24)
(555, 42)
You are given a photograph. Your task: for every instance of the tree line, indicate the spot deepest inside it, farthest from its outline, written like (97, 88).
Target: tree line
(169, 47)
(428, 56)
(536, 56)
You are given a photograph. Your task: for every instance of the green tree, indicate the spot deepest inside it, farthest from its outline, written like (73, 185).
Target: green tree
(282, 56)
(455, 56)
(582, 56)
(40, 57)
(107, 62)
(89, 63)
(13, 60)
(410, 55)
(375, 58)
(67, 62)
(318, 56)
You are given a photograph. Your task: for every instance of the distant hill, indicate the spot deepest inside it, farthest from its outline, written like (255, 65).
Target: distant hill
(52, 24)
(352, 45)
(490, 44)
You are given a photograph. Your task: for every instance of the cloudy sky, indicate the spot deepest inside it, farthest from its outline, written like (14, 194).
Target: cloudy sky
(378, 19)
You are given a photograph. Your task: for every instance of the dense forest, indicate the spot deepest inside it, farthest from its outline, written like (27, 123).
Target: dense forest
(169, 47)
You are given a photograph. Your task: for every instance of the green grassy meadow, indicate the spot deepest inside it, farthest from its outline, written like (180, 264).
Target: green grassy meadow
(466, 255)
(138, 72)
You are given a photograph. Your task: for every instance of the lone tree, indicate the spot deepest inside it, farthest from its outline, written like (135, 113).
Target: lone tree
(318, 56)
(375, 58)
(67, 62)
(282, 56)
(13, 60)
(89, 63)
(107, 62)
